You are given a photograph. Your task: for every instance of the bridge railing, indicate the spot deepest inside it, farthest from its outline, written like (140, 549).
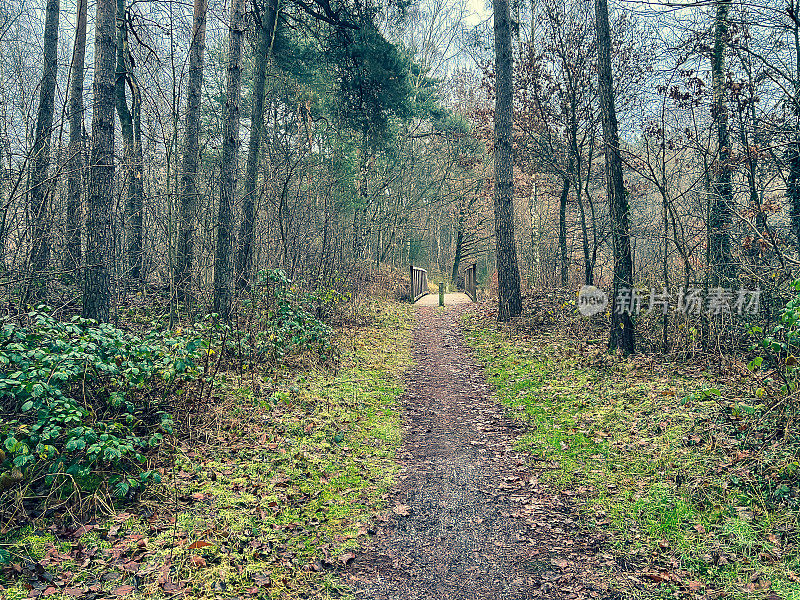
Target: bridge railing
(471, 282)
(419, 283)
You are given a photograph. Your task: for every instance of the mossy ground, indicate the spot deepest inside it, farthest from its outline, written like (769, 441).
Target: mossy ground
(651, 462)
(292, 482)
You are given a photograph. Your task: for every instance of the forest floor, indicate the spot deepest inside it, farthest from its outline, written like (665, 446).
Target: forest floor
(450, 457)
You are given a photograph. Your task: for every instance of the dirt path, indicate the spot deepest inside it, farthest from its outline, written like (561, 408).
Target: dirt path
(478, 525)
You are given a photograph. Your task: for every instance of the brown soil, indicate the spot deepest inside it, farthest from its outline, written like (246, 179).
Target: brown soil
(478, 524)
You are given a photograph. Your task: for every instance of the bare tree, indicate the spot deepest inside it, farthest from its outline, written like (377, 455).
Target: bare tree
(721, 213)
(267, 17)
(40, 190)
(97, 282)
(191, 149)
(76, 149)
(230, 163)
(622, 326)
(130, 126)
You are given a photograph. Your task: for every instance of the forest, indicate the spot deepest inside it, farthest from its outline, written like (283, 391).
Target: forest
(399, 299)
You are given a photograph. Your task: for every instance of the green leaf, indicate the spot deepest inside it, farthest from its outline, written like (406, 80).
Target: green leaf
(75, 444)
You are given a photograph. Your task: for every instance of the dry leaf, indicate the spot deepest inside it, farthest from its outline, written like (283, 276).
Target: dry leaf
(123, 590)
(347, 558)
(200, 544)
(402, 510)
(198, 561)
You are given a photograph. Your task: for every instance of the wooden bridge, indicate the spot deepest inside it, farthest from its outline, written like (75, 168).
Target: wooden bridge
(421, 295)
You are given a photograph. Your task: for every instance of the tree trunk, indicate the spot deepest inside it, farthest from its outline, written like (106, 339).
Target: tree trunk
(75, 159)
(459, 247)
(97, 283)
(587, 256)
(230, 163)
(131, 149)
(510, 302)
(191, 150)
(622, 324)
(136, 191)
(40, 159)
(266, 35)
(721, 214)
(793, 189)
(793, 181)
(562, 232)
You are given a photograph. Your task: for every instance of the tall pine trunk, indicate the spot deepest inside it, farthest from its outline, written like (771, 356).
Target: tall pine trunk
(510, 302)
(191, 151)
(266, 35)
(721, 214)
(230, 163)
(97, 282)
(75, 159)
(622, 324)
(40, 159)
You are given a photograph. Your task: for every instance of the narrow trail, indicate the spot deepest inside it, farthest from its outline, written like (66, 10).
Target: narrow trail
(478, 525)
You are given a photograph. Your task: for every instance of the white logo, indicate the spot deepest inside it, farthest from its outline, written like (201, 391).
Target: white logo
(591, 300)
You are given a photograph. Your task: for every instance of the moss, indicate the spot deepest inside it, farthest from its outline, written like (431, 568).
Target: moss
(650, 468)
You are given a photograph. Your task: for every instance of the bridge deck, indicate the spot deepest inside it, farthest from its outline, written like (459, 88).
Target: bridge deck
(432, 299)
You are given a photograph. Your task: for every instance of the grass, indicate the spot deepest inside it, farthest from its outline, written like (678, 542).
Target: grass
(652, 463)
(301, 467)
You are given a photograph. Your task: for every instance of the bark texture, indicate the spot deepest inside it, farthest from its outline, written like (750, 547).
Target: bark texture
(510, 302)
(191, 150)
(97, 282)
(721, 213)
(40, 159)
(230, 155)
(75, 159)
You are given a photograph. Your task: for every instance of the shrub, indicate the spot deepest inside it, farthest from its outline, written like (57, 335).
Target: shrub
(82, 402)
(284, 319)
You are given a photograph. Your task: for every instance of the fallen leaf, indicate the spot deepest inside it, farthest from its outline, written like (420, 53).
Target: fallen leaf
(81, 530)
(200, 544)
(123, 590)
(402, 510)
(347, 557)
(198, 561)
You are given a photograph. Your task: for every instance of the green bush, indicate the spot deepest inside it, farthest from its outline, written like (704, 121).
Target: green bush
(82, 402)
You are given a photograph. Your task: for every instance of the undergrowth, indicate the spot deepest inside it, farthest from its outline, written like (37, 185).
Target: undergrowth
(660, 456)
(296, 464)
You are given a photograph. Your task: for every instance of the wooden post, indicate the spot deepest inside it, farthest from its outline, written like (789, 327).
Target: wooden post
(412, 283)
(441, 293)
